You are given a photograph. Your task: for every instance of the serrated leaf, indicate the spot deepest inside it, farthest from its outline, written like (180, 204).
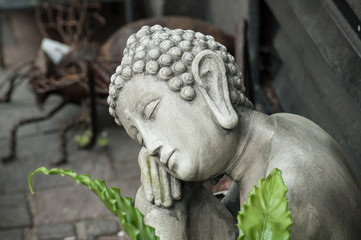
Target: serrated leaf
(129, 217)
(265, 215)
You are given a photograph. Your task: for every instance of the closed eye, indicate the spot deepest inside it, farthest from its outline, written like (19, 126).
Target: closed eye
(149, 109)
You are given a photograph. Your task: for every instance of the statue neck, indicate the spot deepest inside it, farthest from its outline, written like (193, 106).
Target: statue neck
(256, 133)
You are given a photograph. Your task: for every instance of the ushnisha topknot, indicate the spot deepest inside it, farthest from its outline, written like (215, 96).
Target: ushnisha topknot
(168, 55)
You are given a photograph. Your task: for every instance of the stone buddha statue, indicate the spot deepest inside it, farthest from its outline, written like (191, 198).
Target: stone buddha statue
(180, 95)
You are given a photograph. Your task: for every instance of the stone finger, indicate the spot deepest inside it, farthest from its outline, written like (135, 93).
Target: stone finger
(145, 177)
(156, 186)
(176, 188)
(165, 187)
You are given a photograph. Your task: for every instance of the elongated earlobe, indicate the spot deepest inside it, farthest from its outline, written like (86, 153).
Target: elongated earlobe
(210, 74)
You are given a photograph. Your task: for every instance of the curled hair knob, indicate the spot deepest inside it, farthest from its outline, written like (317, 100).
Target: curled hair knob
(187, 93)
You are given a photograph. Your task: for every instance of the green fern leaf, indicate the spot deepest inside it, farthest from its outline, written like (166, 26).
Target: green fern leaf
(265, 215)
(129, 217)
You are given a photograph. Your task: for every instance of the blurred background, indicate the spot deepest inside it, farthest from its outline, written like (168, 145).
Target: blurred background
(56, 58)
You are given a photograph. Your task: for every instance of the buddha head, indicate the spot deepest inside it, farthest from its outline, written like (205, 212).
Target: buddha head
(178, 93)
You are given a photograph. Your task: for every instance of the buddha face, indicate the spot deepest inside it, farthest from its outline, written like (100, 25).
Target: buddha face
(190, 143)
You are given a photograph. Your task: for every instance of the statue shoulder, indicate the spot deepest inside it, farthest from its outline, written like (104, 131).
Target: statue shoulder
(296, 122)
(321, 188)
(305, 149)
(304, 137)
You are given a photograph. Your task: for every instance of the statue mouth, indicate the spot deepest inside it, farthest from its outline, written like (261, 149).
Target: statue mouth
(164, 159)
(171, 162)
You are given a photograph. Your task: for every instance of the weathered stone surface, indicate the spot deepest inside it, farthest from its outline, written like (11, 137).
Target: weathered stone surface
(9, 117)
(22, 95)
(76, 202)
(55, 231)
(94, 162)
(30, 233)
(61, 118)
(26, 107)
(32, 154)
(120, 236)
(123, 152)
(101, 227)
(38, 145)
(14, 211)
(128, 186)
(13, 234)
(67, 204)
(187, 140)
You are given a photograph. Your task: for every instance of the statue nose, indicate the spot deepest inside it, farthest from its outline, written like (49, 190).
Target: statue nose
(153, 145)
(154, 148)
(150, 141)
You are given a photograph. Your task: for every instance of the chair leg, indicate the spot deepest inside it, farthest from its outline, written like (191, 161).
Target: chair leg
(13, 140)
(6, 97)
(63, 142)
(12, 77)
(91, 106)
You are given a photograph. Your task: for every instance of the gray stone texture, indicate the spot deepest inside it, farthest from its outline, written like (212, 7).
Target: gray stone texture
(189, 141)
(55, 231)
(60, 205)
(76, 202)
(30, 233)
(124, 153)
(67, 204)
(13, 234)
(37, 151)
(114, 237)
(101, 227)
(14, 211)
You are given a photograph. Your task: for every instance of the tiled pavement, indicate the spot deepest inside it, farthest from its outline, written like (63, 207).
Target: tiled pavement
(61, 208)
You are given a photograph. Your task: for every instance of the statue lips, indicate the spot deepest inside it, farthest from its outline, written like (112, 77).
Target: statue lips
(164, 158)
(171, 162)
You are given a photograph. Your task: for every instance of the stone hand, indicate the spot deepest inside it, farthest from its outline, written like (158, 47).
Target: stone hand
(160, 187)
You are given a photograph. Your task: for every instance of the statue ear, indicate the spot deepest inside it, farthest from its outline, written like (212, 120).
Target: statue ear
(210, 74)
